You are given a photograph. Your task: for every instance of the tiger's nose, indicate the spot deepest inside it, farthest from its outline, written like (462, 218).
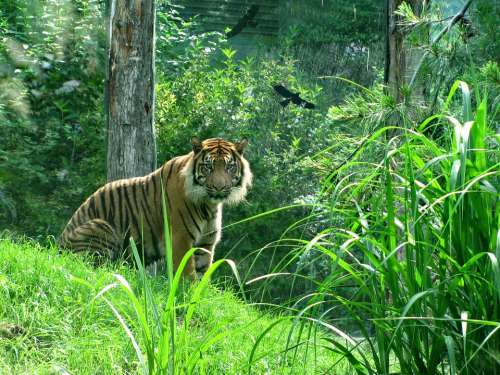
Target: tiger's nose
(220, 188)
(220, 183)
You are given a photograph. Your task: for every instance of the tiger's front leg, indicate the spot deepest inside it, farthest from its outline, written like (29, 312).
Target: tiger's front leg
(206, 243)
(180, 246)
(204, 256)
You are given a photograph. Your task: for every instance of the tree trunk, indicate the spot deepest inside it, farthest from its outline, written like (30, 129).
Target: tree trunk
(394, 74)
(130, 89)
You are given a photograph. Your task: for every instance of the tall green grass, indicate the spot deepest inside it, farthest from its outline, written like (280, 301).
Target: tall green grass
(161, 330)
(414, 265)
(51, 322)
(158, 332)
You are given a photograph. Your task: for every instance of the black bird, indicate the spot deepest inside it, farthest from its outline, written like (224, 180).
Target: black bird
(292, 97)
(246, 20)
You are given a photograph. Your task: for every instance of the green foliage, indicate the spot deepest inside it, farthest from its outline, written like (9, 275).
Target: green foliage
(443, 52)
(333, 38)
(416, 250)
(51, 111)
(180, 41)
(327, 21)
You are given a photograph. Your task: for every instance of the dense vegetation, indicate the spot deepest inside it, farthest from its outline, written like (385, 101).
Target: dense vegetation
(373, 227)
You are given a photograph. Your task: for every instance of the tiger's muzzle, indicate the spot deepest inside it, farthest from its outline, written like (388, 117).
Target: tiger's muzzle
(219, 182)
(220, 195)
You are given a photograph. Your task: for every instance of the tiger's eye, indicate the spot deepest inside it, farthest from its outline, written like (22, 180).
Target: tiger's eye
(206, 167)
(231, 166)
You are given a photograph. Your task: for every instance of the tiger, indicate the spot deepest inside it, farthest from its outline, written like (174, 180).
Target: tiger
(196, 187)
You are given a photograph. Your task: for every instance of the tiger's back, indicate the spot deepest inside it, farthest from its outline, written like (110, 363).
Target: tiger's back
(117, 211)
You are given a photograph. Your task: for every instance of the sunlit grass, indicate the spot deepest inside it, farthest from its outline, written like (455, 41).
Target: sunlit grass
(60, 302)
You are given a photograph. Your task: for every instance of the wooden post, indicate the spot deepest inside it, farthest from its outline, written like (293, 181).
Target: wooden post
(130, 89)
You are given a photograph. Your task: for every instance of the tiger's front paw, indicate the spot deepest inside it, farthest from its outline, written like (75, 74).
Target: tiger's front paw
(201, 269)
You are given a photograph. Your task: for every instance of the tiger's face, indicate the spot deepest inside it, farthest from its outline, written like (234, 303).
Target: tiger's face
(218, 173)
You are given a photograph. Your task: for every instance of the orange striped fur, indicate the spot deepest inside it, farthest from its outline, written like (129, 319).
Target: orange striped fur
(196, 186)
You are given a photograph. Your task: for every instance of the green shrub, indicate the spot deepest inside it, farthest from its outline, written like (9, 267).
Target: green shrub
(52, 118)
(413, 261)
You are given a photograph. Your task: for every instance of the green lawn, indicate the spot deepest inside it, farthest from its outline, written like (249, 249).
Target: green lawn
(51, 322)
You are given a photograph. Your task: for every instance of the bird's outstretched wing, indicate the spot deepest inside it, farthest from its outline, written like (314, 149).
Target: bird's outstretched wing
(246, 20)
(307, 104)
(293, 97)
(283, 91)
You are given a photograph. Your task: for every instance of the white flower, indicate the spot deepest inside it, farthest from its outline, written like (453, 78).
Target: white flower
(67, 87)
(62, 174)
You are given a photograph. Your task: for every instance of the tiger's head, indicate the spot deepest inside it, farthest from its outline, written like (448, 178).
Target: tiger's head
(217, 171)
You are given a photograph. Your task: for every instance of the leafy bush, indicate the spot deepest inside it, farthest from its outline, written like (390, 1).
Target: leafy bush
(52, 129)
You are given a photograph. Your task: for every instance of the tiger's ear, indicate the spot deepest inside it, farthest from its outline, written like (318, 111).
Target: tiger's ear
(195, 142)
(241, 145)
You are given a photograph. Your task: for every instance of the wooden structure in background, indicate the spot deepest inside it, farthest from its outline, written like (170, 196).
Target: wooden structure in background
(217, 15)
